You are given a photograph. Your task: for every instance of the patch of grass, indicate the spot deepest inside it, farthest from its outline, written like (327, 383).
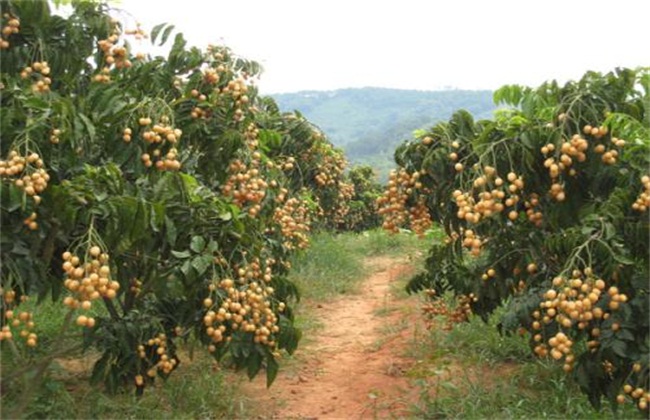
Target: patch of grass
(333, 264)
(379, 242)
(326, 269)
(474, 372)
(534, 391)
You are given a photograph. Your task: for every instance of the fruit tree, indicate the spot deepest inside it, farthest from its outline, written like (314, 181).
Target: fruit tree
(156, 199)
(546, 212)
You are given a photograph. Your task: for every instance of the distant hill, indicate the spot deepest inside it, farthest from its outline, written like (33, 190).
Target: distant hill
(368, 123)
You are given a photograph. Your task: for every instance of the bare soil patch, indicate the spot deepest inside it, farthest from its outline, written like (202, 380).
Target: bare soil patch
(355, 365)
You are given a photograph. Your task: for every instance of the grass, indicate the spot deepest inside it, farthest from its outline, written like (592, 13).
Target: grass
(333, 265)
(473, 372)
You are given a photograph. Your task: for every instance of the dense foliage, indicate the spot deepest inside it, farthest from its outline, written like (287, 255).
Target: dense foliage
(545, 208)
(158, 199)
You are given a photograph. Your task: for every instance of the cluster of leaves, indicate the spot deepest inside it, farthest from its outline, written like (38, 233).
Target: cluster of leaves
(545, 212)
(150, 186)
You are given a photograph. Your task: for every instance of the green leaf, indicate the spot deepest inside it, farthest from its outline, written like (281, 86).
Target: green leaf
(157, 218)
(15, 197)
(270, 139)
(620, 348)
(253, 364)
(36, 102)
(213, 246)
(197, 244)
(90, 127)
(200, 264)
(625, 334)
(622, 259)
(181, 254)
(186, 268)
(171, 231)
(155, 31)
(166, 34)
(100, 369)
(272, 368)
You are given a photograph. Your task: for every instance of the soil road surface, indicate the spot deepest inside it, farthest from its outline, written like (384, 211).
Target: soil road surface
(353, 367)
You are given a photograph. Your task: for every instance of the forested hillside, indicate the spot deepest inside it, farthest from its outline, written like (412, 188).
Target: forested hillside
(368, 123)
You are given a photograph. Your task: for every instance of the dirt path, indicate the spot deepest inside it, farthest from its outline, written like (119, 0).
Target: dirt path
(354, 366)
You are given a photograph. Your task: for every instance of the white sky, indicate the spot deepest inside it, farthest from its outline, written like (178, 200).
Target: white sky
(413, 44)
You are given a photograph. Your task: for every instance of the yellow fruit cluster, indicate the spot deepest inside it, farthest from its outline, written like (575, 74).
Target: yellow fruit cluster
(247, 308)
(570, 152)
(489, 273)
(392, 203)
(199, 113)
(114, 55)
(246, 185)
(234, 91)
(15, 319)
(255, 270)
(39, 73)
(87, 280)
(251, 135)
(294, 221)
(157, 137)
(126, 134)
(9, 296)
(330, 166)
(31, 222)
(642, 203)
(138, 33)
(237, 89)
(639, 395)
(288, 164)
(572, 302)
(494, 198)
(201, 97)
(533, 213)
(345, 194)
(438, 307)
(11, 27)
(473, 242)
(420, 219)
(323, 179)
(328, 174)
(575, 150)
(165, 363)
(211, 75)
(135, 287)
(609, 157)
(54, 136)
(26, 172)
(103, 76)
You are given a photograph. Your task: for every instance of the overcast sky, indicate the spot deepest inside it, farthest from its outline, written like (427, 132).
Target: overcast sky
(413, 44)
